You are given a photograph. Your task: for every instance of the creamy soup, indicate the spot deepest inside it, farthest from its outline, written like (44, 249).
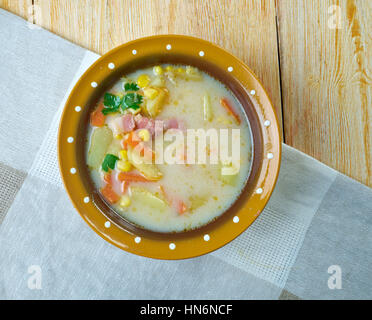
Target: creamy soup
(140, 156)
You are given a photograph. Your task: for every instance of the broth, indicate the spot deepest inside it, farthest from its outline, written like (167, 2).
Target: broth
(156, 195)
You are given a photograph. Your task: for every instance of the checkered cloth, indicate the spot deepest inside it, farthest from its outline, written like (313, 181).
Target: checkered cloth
(313, 240)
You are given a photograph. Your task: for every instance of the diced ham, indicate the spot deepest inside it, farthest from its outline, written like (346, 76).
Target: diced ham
(171, 124)
(123, 124)
(159, 127)
(128, 123)
(141, 122)
(149, 124)
(145, 123)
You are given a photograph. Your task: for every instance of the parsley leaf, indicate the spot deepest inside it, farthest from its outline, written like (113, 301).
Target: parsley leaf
(109, 162)
(131, 100)
(131, 86)
(106, 111)
(111, 100)
(111, 103)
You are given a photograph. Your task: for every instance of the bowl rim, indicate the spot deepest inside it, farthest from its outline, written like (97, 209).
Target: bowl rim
(163, 248)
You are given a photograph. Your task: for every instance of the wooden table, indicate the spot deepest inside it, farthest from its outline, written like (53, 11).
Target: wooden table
(313, 56)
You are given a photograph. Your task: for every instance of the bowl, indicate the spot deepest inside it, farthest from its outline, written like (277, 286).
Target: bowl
(221, 65)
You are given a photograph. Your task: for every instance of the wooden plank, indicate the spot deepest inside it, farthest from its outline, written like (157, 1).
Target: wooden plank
(82, 22)
(245, 28)
(21, 8)
(326, 76)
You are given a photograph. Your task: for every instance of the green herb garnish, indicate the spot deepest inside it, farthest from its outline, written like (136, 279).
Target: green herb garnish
(111, 100)
(109, 162)
(111, 103)
(131, 100)
(107, 111)
(131, 86)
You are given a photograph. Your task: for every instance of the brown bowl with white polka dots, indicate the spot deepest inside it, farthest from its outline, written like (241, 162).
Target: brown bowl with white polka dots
(223, 66)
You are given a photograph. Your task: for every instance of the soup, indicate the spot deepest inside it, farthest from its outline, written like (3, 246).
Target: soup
(155, 147)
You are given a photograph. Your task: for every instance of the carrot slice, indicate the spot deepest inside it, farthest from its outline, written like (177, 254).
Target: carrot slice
(107, 178)
(165, 195)
(178, 204)
(126, 176)
(124, 144)
(110, 194)
(162, 190)
(226, 104)
(181, 207)
(97, 118)
(124, 186)
(133, 140)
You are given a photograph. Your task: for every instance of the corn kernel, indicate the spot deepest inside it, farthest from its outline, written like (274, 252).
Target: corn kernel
(144, 134)
(150, 93)
(190, 70)
(124, 201)
(123, 154)
(169, 68)
(118, 136)
(180, 70)
(134, 111)
(123, 165)
(158, 70)
(143, 80)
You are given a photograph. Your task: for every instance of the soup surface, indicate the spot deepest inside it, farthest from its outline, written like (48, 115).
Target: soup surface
(139, 148)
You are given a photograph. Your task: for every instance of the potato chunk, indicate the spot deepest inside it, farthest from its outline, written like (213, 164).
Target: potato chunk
(147, 198)
(154, 106)
(149, 170)
(100, 141)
